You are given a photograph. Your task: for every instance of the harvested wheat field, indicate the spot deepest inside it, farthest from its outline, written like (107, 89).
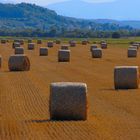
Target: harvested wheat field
(24, 96)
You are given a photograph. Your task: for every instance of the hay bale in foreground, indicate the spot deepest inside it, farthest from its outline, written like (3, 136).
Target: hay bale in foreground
(68, 101)
(132, 52)
(19, 63)
(15, 45)
(63, 55)
(65, 47)
(126, 77)
(31, 46)
(43, 51)
(93, 46)
(19, 50)
(50, 44)
(104, 45)
(0, 61)
(96, 53)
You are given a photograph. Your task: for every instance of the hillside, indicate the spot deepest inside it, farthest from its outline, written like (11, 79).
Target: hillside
(118, 10)
(23, 16)
(133, 23)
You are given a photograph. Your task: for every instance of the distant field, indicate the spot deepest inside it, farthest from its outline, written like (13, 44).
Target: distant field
(65, 40)
(24, 96)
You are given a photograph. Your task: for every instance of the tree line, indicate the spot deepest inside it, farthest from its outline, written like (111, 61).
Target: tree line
(76, 33)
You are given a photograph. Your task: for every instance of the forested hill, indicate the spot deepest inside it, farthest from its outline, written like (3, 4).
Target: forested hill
(23, 16)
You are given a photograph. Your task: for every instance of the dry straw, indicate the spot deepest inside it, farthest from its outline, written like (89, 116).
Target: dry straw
(50, 44)
(3, 41)
(96, 53)
(16, 45)
(93, 46)
(30, 41)
(65, 47)
(68, 101)
(85, 42)
(0, 61)
(58, 41)
(43, 51)
(64, 55)
(133, 47)
(72, 43)
(31, 46)
(19, 50)
(39, 41)
(132, 52)
(104, 45)
(21, 41)
(19, 63)
(126, 77)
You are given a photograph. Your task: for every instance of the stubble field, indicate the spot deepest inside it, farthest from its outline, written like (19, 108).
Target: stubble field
(24, 96)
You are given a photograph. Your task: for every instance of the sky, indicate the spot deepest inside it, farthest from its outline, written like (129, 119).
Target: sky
(47, 2)
(91, 9)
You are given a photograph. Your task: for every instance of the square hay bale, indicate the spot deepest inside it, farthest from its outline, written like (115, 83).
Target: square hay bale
(63, 55)
(43, 51)
(104, 45)
(97, 53)
(19, 62)
(68, 101)
(31, 46)
(16, 45)
(65, 47)
(19, 50)
(39, 41)
(0, 61)
(50, 44)
(132, 52)
(126, 77)
(93, 46)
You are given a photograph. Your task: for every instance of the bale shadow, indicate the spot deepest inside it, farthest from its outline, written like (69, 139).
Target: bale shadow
(49, 120)
(108, 89)
(113, 89)
(7, 71)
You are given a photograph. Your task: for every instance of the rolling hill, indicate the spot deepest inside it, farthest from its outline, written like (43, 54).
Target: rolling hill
(124, 12)
(23, 16)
